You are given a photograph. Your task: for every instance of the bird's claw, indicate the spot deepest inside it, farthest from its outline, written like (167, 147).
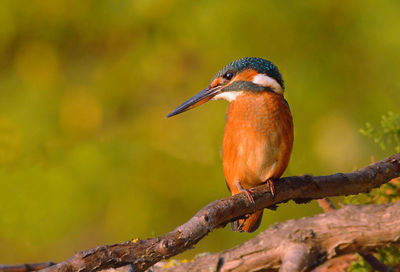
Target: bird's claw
(247, 193)
(271, 187)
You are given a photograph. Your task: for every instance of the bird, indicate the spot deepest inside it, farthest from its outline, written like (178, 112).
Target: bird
(258, 136)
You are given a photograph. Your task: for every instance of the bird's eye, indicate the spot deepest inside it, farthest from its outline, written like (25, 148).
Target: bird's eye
(228, 75)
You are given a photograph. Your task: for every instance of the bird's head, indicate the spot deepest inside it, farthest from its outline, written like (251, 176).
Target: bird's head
(242, 75)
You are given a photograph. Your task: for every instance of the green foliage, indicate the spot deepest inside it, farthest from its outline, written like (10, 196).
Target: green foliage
(386, 135)
(359, 266)
(389, 256)
(387, 193)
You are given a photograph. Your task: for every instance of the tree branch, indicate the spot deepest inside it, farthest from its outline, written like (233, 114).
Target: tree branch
(144, 253)
(303, 244)
(327, 205)
(25, 267)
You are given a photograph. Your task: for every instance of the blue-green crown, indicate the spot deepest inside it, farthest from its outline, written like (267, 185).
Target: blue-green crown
(260, 65)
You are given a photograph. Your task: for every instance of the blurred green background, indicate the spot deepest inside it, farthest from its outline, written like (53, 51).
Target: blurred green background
(86, 155)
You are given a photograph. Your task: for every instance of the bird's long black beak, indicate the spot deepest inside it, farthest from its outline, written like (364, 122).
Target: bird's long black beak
(200, 98)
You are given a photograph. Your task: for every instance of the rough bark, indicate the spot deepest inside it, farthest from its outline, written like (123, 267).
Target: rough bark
(25, 267)
(327, 205)
(144, 253)
(303, 244)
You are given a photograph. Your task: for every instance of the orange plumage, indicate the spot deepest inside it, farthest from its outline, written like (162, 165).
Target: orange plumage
(257, 144)
(258, 135)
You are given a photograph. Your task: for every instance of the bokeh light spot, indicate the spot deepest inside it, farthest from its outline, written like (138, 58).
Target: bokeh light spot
(80, 113)
(37, 64)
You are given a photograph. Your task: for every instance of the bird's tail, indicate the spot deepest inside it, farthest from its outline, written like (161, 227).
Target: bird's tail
(249, 224)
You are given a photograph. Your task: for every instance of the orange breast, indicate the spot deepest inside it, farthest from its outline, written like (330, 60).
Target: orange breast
(258, 139)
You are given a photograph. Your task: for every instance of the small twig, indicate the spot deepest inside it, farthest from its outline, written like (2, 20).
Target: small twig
(374, 262)
(326, 204)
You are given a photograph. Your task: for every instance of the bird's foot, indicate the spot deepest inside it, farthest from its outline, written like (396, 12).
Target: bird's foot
(241, 222)
(271, 187)
(247, 193)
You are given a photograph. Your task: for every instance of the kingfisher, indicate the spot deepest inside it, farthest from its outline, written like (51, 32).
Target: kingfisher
(258, 135)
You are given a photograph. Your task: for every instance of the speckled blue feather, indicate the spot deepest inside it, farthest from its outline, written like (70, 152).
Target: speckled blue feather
(260, 65)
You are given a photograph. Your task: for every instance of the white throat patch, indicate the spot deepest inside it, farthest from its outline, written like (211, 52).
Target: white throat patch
(267, 81)
(228, 96)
